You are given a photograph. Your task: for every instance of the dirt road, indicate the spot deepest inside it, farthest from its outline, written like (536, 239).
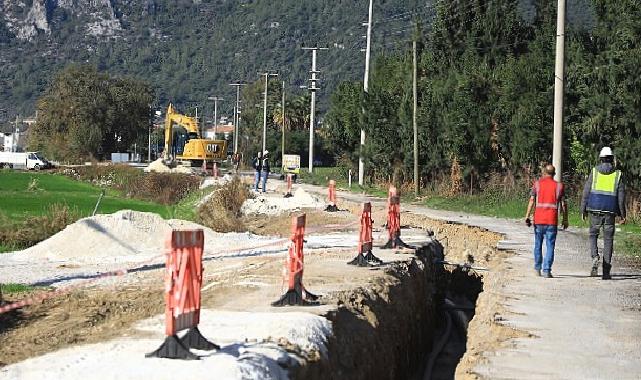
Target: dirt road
(575, 326)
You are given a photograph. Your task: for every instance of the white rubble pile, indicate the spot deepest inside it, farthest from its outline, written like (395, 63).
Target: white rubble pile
(212, 181)
(159, 166)
(248, 341)
(112, 241)
(276, 204)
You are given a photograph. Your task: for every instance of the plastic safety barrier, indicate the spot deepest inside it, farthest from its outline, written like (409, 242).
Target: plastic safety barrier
(296, 293)
(332, 197)
(183, 280)
(365, 256)
(394, 220)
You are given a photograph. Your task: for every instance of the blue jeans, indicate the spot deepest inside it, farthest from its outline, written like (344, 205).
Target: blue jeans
(265, 175)
(256, 180)
(549, 231)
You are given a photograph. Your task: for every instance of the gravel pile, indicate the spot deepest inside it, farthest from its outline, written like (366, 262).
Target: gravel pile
(276, 204)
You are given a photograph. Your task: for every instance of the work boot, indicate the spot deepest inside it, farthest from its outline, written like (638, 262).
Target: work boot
(606, 271)
(595, 267)
(537, 272)
(547, 274)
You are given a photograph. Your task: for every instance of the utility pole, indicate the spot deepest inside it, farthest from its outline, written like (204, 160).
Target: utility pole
(414, 111)
(216, 100)
(559, 81)
(282, 140)
(16, 137)
(312, 115)
(361, 163)
(266, 74)
(151, 122)
(238, 85)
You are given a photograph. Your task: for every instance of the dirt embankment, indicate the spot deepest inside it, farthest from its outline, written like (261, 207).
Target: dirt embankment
(383, 330)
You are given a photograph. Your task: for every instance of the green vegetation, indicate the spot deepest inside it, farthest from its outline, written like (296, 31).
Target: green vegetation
(36, 205)
(86, 114)
(16, 288)
(17, 203)
(485, 107)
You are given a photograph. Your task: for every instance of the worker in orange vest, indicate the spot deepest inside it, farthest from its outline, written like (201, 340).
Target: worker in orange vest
(545, 198)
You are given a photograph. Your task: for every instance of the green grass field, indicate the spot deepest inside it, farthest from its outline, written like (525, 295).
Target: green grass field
(17, 202)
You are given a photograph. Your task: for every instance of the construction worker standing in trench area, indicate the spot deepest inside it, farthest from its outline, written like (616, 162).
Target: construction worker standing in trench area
(265, 170)
(547, 195)
(603, 200)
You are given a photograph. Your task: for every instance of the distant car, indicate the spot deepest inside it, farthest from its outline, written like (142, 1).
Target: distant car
(318, 163)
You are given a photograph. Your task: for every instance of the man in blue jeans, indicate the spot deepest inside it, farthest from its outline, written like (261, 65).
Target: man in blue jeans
(546, 197)
(257, 163)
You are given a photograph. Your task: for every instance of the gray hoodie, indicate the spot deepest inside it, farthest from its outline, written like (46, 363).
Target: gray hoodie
(604, 168)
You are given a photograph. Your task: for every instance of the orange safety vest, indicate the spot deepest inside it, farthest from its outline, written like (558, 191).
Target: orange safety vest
(548, 195)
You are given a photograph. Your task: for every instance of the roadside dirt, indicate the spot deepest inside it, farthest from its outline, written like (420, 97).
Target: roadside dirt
(369, 305)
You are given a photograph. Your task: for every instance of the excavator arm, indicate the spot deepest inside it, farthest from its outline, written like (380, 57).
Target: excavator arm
(189, 123)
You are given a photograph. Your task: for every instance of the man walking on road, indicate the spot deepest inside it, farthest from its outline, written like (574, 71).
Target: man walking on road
(603, 200)
(257, 163)
(265, 170)
(546, 197)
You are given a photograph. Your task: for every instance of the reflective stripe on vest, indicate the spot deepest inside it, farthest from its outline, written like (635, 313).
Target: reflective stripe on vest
(603, 192)
(554, 205)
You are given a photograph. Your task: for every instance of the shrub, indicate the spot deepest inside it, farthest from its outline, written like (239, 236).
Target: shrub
(163, 188)
(37, 228)
(221, 211)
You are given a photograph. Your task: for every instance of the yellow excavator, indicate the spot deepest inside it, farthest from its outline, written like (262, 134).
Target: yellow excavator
(196, 149)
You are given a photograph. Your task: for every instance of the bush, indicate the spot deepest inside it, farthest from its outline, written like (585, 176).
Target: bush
(221, 211)
(164, 188)
(37, 228)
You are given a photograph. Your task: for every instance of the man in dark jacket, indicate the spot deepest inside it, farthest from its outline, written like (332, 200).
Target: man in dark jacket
(257, 163)
(603, 200)
(265, 170)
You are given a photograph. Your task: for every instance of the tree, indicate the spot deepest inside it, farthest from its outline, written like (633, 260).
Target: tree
(87, 114)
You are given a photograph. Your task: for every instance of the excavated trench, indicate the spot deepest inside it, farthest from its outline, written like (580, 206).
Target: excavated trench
(409, 324)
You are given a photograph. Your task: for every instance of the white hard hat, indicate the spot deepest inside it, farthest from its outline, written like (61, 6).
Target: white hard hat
(266, 152)
(605, 152)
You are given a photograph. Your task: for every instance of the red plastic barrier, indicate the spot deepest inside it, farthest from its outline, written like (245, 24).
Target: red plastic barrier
(365, 256)
(332, 197)
(365, 236)
(296, 293)
(394, 219)
(183, 280)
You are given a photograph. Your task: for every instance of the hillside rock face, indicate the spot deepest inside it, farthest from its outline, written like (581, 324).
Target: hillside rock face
(26, 21)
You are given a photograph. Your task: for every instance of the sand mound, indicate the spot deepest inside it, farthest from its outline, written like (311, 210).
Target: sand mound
(159, 166)
(126, 236)
(274, 205)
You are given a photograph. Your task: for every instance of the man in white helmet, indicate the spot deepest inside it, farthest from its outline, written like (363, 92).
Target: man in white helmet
(603, 200)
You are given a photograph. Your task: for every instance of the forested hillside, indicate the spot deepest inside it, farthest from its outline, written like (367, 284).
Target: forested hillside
(188, 50)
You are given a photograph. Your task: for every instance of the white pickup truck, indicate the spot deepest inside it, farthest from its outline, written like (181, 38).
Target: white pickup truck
(29, 160)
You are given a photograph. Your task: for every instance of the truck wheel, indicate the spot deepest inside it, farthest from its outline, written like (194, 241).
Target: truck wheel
(36, 167)
(6, 166)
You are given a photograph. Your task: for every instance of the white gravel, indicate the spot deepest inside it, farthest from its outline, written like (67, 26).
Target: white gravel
(275, 204)
(247, 351)
(111, 242)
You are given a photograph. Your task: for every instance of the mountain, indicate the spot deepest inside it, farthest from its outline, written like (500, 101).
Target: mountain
(191, 49)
